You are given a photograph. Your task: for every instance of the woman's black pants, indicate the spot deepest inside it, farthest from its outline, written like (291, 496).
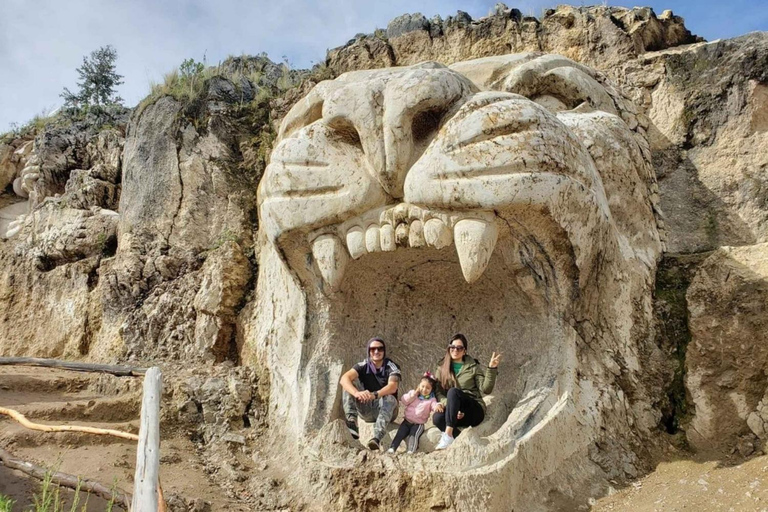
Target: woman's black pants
(459, 401)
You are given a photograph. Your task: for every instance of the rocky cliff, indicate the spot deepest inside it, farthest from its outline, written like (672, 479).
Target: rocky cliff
(138, 237)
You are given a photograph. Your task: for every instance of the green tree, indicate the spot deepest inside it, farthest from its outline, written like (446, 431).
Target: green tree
(190, 68)
(98, 80)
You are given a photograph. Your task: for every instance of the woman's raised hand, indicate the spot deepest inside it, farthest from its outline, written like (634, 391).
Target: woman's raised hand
(495, 360)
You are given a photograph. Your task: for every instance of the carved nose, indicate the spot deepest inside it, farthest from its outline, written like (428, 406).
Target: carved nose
(395, 122)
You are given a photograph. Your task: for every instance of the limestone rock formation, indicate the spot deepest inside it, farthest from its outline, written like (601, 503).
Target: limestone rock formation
(547, 190)
(183, 198)
(707, 103)
(728, 353)
(603, 37)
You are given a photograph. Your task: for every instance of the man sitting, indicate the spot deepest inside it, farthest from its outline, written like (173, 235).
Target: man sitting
(370, 391)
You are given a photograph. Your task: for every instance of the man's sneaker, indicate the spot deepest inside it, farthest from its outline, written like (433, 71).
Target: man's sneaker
(410, 452)
(373, 444)
(391, 450)
(445, 442)
(352, 427)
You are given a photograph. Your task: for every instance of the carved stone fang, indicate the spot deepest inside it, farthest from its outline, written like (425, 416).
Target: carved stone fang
(331, 259)
(475, 241)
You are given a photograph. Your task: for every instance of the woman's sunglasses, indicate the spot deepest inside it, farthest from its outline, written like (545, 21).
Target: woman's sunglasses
(376, 349)
(458, 348)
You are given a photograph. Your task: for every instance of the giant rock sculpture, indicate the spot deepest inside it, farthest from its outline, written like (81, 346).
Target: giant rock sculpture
(509, 198)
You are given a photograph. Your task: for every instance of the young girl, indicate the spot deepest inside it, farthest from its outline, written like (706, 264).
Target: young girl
(419, 403)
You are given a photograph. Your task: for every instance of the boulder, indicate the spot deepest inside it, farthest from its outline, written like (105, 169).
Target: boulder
(407, 23)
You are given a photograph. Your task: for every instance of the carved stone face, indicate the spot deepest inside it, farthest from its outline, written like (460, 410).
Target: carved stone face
(507, 198)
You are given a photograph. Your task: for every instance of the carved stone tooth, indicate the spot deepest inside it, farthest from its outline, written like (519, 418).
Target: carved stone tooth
(387, 238)
(400, 213)
(372, 241)
(401, 235)
(475, 240)
(356, 242)
(331, 259)
(437, 234)
(416, 212)
(416, 234)
(386, 216)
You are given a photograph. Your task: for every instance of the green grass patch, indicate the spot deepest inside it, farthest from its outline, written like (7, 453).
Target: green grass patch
(6, 503)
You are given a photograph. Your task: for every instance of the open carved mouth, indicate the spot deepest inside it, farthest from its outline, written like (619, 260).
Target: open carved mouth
(409, 203)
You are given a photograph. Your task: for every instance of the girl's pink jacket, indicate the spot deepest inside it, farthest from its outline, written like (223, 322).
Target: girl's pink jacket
(417, 411)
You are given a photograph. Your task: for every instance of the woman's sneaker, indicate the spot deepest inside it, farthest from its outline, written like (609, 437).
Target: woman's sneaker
(391, 450)
(445, 442)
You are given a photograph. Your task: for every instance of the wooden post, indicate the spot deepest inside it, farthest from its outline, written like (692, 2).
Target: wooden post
(145, 487)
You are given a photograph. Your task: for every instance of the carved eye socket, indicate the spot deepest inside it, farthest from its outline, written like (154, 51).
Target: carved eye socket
(346, 132)
(425, 125)
(567, 88)
(551, 103)
(559, 84)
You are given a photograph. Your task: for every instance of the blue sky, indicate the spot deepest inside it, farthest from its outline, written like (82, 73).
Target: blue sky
(43, 42)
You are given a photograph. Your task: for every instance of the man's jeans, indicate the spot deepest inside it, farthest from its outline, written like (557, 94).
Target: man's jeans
(382, 411)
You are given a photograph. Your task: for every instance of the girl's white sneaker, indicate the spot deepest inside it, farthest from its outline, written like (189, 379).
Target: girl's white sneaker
(445, 442)
(391, 450)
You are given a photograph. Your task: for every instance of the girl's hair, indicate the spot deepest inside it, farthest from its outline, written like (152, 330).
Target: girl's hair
(431, 380)
(447, 377)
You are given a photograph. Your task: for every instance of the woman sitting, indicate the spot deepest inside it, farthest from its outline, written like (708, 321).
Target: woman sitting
(461, 383)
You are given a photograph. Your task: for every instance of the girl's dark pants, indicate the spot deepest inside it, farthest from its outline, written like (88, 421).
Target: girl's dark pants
(459, 401)
(414, 430)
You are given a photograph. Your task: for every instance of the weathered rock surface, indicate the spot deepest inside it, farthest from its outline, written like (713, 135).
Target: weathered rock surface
(602, 37)
(728, 353)
(182, 199)
(707, 104)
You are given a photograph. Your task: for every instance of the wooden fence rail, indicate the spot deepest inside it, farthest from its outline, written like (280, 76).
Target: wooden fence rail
(114, 369)
(147, 492)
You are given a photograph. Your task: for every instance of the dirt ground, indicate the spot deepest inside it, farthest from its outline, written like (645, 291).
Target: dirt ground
(698, 486)
(61, 397)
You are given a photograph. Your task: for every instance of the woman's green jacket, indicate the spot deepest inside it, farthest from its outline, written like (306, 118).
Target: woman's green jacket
(473, 379)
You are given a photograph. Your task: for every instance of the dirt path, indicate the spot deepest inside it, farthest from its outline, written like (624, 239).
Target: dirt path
(62, 397)
(698, 486)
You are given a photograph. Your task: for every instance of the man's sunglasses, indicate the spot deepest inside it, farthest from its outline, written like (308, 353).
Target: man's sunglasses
(455, 347)
(376, 349)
